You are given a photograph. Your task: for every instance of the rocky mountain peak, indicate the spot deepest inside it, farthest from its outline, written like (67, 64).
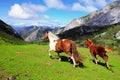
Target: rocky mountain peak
(109, 15)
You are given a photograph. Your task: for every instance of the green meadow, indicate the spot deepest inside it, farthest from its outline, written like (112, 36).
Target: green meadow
(32, 62)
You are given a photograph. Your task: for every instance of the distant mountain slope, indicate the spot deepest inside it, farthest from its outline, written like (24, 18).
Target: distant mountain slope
(25, 30)
(37, 34)
(9, 35)
(32, 36)
(34, 33)
(109, 15)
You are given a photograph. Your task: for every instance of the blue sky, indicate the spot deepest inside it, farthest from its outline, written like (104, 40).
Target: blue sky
(47, 12)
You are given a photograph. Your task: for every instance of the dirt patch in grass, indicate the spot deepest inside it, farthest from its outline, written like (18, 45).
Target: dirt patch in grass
(18, 53)
(43, 50)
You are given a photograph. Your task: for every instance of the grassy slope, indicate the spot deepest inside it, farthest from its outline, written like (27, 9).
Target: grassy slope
(6, 39)
(31, 62)
(8, 35)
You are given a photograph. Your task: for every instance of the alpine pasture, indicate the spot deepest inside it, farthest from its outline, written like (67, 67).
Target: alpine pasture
(32, 62)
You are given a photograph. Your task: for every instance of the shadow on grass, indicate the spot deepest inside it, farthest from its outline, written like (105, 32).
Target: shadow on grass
(104, 65)
(68, 59)
(101, 63)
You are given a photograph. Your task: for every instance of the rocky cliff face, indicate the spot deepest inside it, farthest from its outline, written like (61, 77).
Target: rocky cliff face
(32, 36)
(109, 15)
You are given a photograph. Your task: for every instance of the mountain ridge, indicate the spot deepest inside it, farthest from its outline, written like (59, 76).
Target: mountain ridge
(109, 15)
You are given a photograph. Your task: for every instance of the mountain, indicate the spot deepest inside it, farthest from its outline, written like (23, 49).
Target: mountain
(37, 34)
(95, 21)
(34, 33)
(9, 35)
(25, 30)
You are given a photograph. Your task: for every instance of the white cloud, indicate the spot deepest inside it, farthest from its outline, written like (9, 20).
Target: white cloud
(90, 9)
(94, 3)
(35, 8)
(26, 11)
(89, 5)
(17, 11)
(79, 7)
(87, 2)
(55, 4)
(101, 3)
(44, 17)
